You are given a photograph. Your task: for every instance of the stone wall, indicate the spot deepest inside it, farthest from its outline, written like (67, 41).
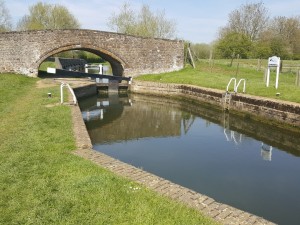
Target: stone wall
(264, 108)
(23, 52)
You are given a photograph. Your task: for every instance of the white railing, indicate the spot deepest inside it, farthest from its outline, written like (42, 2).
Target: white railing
(99, 67)
(62, 93)
(244, 87)
(236, 85)
(232, 79)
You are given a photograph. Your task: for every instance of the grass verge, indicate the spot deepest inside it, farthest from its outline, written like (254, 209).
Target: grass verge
(218, 76)
(42, 183)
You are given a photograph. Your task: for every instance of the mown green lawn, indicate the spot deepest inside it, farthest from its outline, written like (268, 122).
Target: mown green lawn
(41, 182)
(218, 75)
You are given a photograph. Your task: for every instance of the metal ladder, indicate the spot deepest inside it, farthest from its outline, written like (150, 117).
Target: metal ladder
(226, 98)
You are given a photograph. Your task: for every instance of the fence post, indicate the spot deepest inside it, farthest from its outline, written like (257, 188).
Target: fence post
(298, 79)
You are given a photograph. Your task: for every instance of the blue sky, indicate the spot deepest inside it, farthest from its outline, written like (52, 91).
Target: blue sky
(197, 21)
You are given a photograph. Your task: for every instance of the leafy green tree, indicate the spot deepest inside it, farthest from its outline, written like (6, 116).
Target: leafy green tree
(286, 33)
(233, 45)
(143, 23)
(201, 51)
(47, 16)
(5, 20)
(261, 50)
(278, 48)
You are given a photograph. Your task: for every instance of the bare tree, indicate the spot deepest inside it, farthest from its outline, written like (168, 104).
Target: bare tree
(5, 19)
(143, 23)
(165, 28)
(250, 20)
(124, 22)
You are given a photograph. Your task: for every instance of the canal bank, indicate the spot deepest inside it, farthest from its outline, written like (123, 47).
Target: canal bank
(275, 112)
(221, 212)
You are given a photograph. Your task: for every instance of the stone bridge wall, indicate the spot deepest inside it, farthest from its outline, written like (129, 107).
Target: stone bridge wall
(23, 52)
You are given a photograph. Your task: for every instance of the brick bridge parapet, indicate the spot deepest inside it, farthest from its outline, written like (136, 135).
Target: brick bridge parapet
(23, 52)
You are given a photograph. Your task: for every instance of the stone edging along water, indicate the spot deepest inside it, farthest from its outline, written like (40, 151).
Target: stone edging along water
(281, 112)
(223, 213)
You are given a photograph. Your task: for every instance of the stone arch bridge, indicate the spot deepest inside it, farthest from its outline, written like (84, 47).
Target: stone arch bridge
(23, 52)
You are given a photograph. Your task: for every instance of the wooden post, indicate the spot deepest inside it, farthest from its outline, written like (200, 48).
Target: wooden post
(259, 64)
(211, 60)
(210, 56)
(298, 79)
(191, 57)
(238, 64)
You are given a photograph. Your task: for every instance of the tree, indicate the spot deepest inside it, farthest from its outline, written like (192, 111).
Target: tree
(261, 49)
(233, 45)
(5, 20)
(144, 23)
(250, 20)
(286, 31)
(201, 51)
(124, 22)
(46, 16)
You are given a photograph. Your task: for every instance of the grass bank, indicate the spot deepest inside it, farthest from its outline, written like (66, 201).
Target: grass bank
(42, 183)
(218, 75)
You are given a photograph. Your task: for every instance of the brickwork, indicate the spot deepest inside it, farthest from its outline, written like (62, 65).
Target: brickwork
(23, 52)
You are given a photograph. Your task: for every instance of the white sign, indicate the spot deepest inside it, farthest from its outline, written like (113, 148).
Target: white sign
(273, 61)
(51, 70)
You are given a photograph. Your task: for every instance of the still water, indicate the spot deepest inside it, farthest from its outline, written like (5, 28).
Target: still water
(237, 161)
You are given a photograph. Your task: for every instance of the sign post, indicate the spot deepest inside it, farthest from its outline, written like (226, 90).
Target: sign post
(273, 61)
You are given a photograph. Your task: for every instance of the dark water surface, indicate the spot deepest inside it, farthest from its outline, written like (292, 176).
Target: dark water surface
(237, 161)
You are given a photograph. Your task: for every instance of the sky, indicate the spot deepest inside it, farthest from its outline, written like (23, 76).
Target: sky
(196, 21)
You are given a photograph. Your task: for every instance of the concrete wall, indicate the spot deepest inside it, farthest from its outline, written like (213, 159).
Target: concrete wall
(270, 109)
(23, 52)
(85, 90)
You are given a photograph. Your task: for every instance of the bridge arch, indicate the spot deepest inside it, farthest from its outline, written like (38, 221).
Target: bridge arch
(23, 52)
(117, 64)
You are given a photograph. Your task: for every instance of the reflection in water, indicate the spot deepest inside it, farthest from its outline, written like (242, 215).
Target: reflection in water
(233, 136)
(266, 152)
(122, 123)
(157, 120)
(196, 147)
(230, 135)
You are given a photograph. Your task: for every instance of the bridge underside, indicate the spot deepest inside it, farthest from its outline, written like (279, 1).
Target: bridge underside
(116, 65)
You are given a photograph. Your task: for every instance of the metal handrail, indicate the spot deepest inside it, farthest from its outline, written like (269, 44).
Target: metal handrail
(237, 86)
(62, 93)
(230, 83)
